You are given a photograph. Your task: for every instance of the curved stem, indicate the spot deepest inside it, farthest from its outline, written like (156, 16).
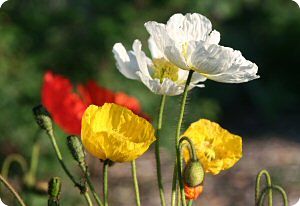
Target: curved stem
(178, 131)
(90, 184)
(190, 203)
(257, 186)
(192, 149)
(105, 192)
(157, 153)
(12, 190)
(9, 160)
(88, 199)
(274, 187)
(135, 182)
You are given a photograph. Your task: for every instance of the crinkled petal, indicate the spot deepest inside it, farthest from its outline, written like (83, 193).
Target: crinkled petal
(216, 148)
(166, 87)
(126, 61)
(222, 64)
(191, 27)
(116, 133)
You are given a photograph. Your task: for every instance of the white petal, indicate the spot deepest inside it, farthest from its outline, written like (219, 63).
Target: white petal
(141, 58)
(126, 61)
(223, 64)
(214, 37)
(158, 34)
(167, 87)
(156, 53)
(191, 27)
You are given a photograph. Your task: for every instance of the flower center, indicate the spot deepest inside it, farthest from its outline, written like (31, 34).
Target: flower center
(164, 69)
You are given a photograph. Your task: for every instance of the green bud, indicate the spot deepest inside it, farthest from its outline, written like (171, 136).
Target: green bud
(193, 173)
(76, 149)
(43, 118)
(54, 187)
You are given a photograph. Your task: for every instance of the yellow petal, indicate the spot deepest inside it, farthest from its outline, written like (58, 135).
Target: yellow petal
(114, 132)
(216, 148)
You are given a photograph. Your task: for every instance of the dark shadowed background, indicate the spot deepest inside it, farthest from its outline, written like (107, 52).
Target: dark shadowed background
(75, 38)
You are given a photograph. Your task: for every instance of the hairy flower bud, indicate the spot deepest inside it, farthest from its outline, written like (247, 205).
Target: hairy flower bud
(54, 187)
(76, 148)
(193, 173)
(43, 118)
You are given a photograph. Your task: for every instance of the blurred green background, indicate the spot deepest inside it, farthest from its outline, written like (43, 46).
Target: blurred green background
(75, 38)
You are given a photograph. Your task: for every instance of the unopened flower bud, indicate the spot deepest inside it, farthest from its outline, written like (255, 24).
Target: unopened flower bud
(193, 173)
(76, 148)
(43, 118)
(192, 193)
(54, 187)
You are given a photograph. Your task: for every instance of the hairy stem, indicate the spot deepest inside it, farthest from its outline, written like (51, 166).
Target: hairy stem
(157, 153)
(177, 146)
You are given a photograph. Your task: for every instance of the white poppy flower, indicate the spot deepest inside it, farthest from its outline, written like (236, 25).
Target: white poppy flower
(159, 75)
(190, 43)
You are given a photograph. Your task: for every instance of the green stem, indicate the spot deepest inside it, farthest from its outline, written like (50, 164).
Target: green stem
(105, 191)
(88, 199)
(12, 190)
(190, 203)
(135, 182)
(30, 177)
(257, 186)
(174, 185)
(90, 184)
(9, 160)
(192, 149)
(178, 132)
(60, 159)
(273, 187)
(157, 153)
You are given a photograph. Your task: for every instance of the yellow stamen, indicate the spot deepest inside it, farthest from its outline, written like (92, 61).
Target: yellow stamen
(164, 69)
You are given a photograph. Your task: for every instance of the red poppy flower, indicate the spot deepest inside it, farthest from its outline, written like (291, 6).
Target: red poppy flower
(67, 107)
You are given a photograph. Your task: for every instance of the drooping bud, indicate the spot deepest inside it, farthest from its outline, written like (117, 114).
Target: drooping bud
(43, 118)
(76, 148)
(192, 193)
(54, 188)
(193, 173)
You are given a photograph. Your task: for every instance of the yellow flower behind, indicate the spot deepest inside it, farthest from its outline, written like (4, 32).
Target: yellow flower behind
(114, 132)
(216, 148)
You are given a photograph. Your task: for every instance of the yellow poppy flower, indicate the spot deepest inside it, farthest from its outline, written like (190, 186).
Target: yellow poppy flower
(216, 148)
(114, 132)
